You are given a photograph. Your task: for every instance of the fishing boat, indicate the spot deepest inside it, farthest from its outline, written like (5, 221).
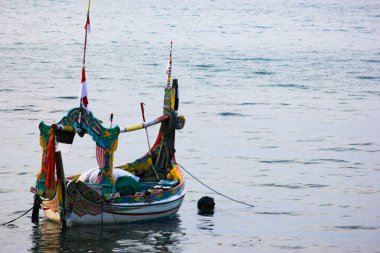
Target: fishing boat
(151, 187)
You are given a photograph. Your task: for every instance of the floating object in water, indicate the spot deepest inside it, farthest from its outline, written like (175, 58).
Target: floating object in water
(206, 205)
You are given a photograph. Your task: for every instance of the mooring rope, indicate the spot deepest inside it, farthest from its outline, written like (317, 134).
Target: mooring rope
(6, 223)
(221, 194)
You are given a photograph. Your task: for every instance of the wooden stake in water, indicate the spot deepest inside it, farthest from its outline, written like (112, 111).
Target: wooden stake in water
(61, 188)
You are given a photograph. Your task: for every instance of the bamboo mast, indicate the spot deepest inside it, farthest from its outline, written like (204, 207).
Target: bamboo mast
(83, 93)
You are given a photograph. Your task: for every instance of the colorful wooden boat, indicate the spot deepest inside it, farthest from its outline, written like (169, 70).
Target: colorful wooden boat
(151, 187)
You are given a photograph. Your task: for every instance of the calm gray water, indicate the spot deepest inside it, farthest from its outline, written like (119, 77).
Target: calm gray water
(282, 100)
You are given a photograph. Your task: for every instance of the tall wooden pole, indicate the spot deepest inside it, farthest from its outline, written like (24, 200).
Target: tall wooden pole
(61, 188)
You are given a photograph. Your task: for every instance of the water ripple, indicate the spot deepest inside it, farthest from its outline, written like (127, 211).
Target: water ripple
(362, 144)
(278, 213)
(278, 161)
(285, 247)
(251, 103)
(338, 149)
(288, 85)
(368, 77)
(356, 228)
(263, 73)
(204, 66)
(228, 114)
(294, 186)
(6, 90)
(331, 160)
(257, 59)
(373, 61)
(68, 97)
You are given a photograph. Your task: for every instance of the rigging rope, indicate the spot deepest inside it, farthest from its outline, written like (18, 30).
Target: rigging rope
(221, 194)
(6, 223)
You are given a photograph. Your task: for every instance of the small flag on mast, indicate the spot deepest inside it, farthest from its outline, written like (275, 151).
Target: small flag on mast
(88, 26)
(83, 91)
(169, 67)
(168, 90)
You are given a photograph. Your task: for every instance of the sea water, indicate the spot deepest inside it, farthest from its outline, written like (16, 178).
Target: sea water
(282, 101)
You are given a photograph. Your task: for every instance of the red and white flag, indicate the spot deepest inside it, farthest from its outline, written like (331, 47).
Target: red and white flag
(83, 91)
(88, 26)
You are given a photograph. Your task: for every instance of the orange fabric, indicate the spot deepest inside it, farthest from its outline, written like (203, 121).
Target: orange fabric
(43, 145)
(49, 165)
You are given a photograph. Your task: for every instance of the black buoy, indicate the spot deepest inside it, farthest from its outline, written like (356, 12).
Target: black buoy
(206, 205)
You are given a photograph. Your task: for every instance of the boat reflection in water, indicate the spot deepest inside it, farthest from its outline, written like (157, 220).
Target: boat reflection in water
(156, 236)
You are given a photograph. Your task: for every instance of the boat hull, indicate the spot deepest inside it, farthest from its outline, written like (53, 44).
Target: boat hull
(85, 206)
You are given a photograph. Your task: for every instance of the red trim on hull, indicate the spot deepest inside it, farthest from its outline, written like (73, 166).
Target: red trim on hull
(142, 214)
